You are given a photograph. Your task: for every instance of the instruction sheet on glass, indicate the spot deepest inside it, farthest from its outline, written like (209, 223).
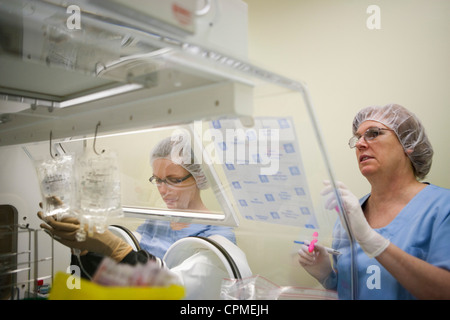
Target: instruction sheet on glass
(264, 170)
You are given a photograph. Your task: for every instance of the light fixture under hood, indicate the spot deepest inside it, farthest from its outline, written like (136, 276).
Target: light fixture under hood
(100, 95)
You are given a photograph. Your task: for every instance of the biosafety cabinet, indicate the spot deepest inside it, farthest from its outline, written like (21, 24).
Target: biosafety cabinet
(117, 76)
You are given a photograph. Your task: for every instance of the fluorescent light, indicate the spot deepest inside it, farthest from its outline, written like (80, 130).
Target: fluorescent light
(108, 135)
(174, 213)
(100, 95)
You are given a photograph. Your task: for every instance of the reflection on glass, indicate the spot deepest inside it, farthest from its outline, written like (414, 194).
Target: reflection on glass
(179, 181)
(181, 184)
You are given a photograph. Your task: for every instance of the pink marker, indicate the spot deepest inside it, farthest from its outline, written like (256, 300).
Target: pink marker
(313, 242)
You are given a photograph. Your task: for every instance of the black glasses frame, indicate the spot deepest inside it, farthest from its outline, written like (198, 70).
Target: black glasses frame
(168, 181)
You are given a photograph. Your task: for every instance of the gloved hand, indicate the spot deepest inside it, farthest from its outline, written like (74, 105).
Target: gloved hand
(370, 241)
(316, 263)
(65, 231)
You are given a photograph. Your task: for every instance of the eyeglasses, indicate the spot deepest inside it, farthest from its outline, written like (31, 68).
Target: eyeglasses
(370, 134)
(169, 181)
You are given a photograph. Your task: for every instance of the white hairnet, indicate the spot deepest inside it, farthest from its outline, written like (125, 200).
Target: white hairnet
(408, 129)
(177, 148)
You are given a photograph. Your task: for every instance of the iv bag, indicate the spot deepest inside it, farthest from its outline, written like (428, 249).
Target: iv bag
(56, 180)
(99, 193)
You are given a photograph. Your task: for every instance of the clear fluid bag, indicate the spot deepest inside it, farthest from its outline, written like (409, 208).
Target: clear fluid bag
(57, 184)
(99, 192)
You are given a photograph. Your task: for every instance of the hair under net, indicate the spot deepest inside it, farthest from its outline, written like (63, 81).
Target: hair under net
(408, 129)
(177, 148)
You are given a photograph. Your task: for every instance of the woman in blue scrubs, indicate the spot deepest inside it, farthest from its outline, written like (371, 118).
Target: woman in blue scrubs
(402, 228)
(179, 181)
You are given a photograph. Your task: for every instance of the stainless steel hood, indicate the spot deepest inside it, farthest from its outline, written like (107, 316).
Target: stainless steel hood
(121, 66)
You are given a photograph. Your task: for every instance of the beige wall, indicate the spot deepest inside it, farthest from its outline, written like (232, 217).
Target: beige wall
(347, 66)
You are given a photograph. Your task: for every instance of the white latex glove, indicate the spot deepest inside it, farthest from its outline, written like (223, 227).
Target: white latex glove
(65, 232)
(370, 241)
(316, 263)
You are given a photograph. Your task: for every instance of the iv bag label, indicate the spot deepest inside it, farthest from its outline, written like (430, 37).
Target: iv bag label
(57, 184)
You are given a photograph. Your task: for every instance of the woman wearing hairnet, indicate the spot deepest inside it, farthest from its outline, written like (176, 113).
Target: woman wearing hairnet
(402, 228)
(179, 181)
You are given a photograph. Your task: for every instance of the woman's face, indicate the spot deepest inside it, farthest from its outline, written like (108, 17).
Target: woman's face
(384, 155)
(181, 195)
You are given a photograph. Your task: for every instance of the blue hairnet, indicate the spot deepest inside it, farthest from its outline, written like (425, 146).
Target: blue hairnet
(409, 130)
(177, 148)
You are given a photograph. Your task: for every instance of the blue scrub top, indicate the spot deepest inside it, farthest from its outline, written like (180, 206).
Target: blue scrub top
(422, 229)
(158, 236)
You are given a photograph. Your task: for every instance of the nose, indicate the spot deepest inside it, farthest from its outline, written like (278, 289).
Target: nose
(162, 188)
(361, 143)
